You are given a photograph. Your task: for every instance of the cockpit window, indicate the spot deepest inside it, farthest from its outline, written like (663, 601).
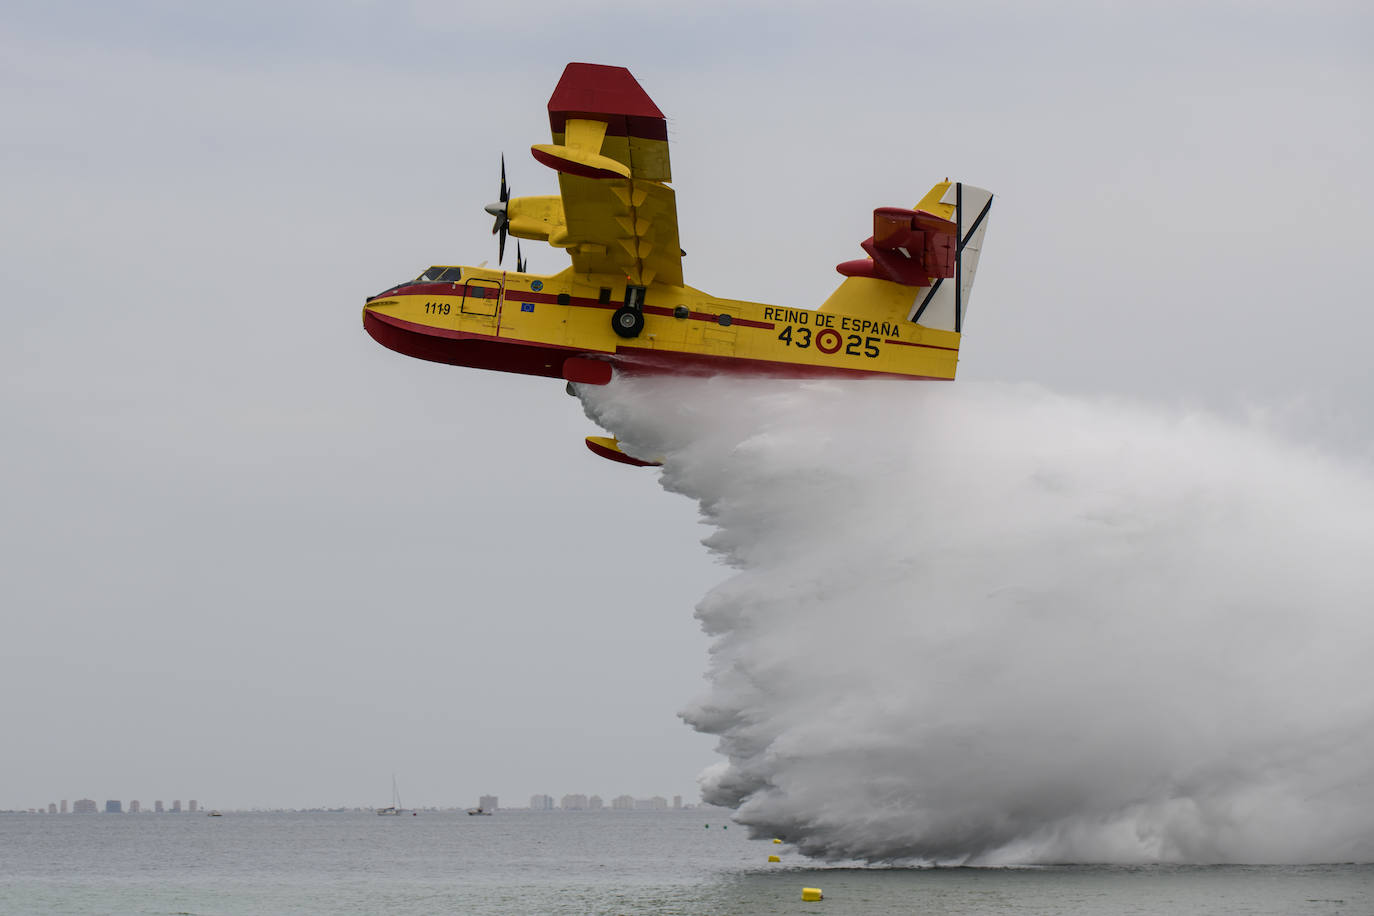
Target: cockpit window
(440, 275)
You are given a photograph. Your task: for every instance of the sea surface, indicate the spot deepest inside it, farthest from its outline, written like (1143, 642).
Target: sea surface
(609, 862)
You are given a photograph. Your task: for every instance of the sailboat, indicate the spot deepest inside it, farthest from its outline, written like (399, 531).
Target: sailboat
(395, 800)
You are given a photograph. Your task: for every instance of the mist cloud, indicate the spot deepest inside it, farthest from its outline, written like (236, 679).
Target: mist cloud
(982, 624)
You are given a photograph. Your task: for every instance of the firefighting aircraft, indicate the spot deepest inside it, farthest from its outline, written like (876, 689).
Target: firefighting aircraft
(623, 306)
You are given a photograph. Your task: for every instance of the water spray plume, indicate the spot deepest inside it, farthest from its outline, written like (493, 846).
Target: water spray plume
(991, 625)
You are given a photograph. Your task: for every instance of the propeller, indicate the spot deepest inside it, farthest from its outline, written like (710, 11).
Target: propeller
(520, 263)
(498, 210)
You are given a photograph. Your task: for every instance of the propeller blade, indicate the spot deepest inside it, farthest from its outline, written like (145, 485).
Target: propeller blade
(500, 211)
(519, 261)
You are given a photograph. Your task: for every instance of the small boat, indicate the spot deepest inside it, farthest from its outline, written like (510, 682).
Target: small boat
(478, 811)
(395, 807)
(214, 814)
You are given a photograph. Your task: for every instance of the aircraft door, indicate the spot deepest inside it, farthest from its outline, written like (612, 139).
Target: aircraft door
(482, 299)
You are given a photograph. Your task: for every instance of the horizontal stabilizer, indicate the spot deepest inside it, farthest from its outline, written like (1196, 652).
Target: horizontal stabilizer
(609, 449)
(910, 247)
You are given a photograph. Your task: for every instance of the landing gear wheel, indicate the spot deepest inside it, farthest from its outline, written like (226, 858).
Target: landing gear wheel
(627, 322)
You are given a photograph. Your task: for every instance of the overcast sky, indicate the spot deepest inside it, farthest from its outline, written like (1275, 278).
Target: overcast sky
(251, 557)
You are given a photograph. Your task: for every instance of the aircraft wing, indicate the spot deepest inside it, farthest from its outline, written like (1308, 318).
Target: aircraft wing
(610, 149)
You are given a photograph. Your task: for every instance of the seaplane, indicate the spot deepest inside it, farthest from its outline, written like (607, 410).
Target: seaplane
(622, 305)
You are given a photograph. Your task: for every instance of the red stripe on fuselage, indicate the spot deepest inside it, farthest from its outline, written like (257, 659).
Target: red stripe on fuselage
(588, 303)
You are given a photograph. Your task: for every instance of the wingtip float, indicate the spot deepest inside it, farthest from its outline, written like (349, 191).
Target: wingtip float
(622, 305)
(610, 449)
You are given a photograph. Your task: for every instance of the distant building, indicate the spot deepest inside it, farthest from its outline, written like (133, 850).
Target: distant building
(114, 806)
(677, 802)
(488, 803)
(52, 807)
(657, 803)
(176, 806)
(134, 807)
(541, 802)
(64, 806)
(84, 806)
(573, 803)
(622, 803)
(192, 806)
(157, 807)
(595, 803)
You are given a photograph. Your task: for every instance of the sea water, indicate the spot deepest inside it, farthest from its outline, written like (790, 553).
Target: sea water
(686, 862)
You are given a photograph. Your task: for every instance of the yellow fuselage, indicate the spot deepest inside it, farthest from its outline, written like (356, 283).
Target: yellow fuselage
(530, 324)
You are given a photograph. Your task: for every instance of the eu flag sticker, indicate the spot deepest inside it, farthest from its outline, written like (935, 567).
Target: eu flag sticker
(527, 306)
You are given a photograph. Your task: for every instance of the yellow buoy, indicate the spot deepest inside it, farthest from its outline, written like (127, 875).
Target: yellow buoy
(776, 840)
(811, 893)
(774, 859)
